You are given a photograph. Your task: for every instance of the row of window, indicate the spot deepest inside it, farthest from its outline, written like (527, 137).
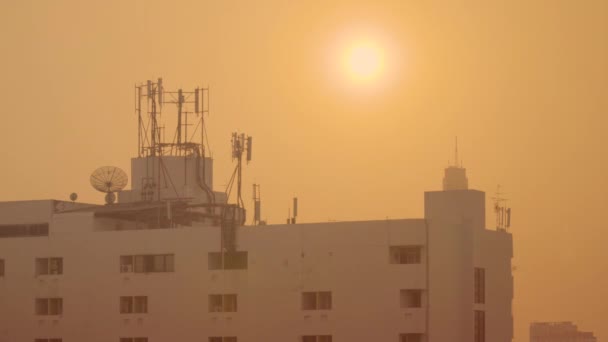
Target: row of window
(152, 263)
(321, 300)
(304, 338)
(24, 230)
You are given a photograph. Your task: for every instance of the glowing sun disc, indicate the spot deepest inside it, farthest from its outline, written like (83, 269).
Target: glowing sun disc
(364, 62)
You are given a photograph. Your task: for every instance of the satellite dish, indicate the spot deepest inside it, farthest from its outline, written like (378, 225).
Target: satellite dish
(73, 196)
(109, 179)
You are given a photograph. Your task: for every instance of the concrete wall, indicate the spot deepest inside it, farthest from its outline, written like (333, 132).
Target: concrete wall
(177, 177)
(351, 259)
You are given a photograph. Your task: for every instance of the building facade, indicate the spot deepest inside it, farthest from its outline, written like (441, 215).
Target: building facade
(71, 271)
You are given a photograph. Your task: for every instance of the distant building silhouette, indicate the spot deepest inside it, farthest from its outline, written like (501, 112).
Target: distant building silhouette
(455, 177)
(558, 332)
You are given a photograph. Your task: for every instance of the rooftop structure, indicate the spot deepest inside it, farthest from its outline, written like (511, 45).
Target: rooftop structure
(173, 260)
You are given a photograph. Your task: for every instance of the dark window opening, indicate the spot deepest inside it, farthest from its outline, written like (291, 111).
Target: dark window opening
(410, 338)
(49, 266)
(405, 254)
(223, 339)
(152, 263)
(137, 304)
(49, 306)
(480, 326)
(228, 260)
(222, 303)
(317, 338)
(411, 298)
(321, 300)
(480, 285)
(24, 230)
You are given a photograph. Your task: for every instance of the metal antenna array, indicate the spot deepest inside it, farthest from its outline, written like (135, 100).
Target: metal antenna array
(503, 213)
(150, 98)
(240, 144)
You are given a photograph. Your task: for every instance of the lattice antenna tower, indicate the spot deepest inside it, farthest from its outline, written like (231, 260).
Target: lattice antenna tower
(189, 137)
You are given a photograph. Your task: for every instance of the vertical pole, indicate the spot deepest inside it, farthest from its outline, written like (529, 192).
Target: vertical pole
(179, 118)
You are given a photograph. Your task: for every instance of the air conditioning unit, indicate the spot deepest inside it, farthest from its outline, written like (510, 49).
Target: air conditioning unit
(126, 268)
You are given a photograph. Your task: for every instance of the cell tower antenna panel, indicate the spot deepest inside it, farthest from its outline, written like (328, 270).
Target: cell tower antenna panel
(249, 146)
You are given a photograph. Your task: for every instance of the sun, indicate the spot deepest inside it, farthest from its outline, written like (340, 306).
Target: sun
(364, 61)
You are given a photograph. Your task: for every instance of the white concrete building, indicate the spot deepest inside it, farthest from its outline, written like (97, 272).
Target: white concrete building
(558, 332)
(172, 260)
(149, 271)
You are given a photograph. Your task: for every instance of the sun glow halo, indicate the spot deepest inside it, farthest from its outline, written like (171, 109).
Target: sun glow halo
(364, 62)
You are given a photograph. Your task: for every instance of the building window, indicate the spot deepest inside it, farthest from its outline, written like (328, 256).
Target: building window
(410, 338)
(320, 300)
(48, 340)
(222, 303)
(46, 266)
(133, 339)
(1, 267)
(136, 304)
(227, 260)
(411, 298)
(480, 285)
(49, 306)
(24, 230)
(405, 254)
(151, 263)
(480, 326)
(223, 339)
(316, 338)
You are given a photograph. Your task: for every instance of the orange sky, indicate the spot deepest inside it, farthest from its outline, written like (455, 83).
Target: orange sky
(523, 84)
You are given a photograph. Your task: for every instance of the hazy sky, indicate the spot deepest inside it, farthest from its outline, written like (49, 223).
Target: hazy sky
(524, 85)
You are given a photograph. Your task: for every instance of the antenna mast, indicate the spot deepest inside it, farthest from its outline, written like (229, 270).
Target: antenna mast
(150, 98)
(257, 205)
(503, 213)
(240, 144)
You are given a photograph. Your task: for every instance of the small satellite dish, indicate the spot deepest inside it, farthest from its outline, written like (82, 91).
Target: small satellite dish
(109, 179)
(73, 197)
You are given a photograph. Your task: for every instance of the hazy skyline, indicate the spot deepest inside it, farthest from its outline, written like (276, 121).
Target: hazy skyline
(522, 84)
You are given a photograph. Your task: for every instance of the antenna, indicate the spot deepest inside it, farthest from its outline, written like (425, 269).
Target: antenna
(292, 219)
(249, 146)
(257, 205)
(456, 152)
(502, 212)
(109, 179)
(240, 144)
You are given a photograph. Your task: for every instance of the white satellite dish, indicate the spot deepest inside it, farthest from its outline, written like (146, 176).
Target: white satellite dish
(109, 179)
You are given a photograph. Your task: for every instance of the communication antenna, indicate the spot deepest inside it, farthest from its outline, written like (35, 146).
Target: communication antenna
(457, 161)
(257, 205)
(240, 144)
(292, 219)
(502, 212)
(109, 179)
